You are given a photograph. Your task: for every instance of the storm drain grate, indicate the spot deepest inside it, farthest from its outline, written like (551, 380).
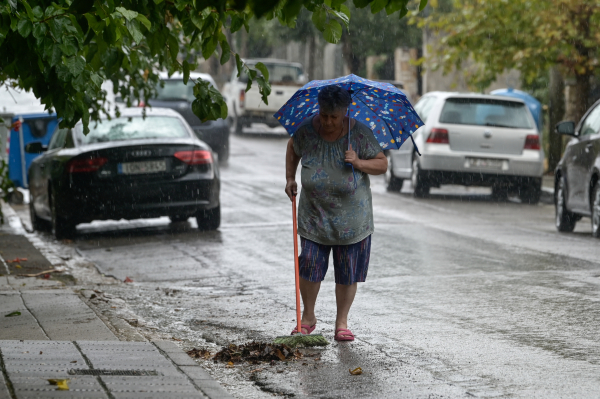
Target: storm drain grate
(133, 373)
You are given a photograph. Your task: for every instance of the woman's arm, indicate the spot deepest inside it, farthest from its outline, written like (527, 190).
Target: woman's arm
(291, 164)
(373, 166)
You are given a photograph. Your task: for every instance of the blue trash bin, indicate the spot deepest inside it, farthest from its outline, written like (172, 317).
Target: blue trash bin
(35, 127)
(534, 105)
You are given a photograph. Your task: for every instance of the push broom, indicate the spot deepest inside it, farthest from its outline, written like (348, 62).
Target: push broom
(299, 339)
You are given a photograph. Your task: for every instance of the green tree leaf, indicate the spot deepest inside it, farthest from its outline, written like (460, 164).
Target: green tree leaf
(144, 21)
(319, 18)
(422, 5)
(75, 65)
(333, 31)
(128, 14)
(24, 26)
(225, 49)
(133, 27)
(378, 5)
(263, 69)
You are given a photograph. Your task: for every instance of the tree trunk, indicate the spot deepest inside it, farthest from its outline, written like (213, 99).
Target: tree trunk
(353, 62)
(311, 56)
(581, 95)
(557, 111)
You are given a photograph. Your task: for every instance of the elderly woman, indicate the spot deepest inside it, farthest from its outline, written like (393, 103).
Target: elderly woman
(335, 210)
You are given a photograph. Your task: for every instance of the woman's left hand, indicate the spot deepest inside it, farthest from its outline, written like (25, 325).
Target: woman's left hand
(350, 156)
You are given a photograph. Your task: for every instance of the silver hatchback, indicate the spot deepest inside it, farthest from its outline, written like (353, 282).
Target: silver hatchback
(472, 140)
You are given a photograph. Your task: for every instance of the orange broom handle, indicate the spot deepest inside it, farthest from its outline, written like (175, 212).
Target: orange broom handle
(297, 266)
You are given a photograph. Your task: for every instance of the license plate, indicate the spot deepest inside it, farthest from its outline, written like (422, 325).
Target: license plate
(486, 163)
(136, 168)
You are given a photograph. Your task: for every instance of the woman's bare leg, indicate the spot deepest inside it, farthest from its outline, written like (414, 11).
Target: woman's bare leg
(309, 292)
(344, 296)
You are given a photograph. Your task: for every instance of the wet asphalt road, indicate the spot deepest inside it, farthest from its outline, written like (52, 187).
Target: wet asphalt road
(465, 296)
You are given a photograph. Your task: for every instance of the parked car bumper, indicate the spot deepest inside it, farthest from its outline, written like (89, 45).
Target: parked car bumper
(265, 117)
(528, 164)
(144, 200)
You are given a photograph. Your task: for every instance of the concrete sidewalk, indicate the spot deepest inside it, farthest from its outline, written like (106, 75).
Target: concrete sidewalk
(48, 332)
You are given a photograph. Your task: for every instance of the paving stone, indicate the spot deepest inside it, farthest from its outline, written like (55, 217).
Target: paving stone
(181, 358)
(4, 394)
(196, 372)
(167, 346)
(24, 326)
(64, 316)
(179, 384)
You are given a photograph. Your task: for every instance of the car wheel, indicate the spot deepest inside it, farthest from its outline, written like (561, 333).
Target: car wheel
(499, 192)
(61, 228)
(236, 126)
(224, 152)
(530, 194)
(36, 223)
(209, 219)
(420, 188)
(392, 182)
(596, 211)
(565, 220)
(179, 218)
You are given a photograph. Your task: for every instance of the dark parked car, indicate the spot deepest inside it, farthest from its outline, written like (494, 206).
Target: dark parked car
(174, 94)
(577, 192)
(127, 167)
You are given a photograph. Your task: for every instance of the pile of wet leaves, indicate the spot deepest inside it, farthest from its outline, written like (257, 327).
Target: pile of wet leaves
(199, 353)
(256, 352)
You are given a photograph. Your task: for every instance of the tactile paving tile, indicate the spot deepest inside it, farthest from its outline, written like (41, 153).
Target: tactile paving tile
(18, 327)
(127, 356)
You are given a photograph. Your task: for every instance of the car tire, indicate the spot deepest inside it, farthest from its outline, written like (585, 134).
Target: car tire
(209, 219)
(36, 223)
(499, 192)
(531, 194)
(179, 218)
(224, 152)
(565, 220)
(392, 182)
(420, 187)
(61, 228)
(596, 210)
(236, 126)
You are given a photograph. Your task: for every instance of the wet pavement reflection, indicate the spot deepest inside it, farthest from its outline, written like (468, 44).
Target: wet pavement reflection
(465, 296)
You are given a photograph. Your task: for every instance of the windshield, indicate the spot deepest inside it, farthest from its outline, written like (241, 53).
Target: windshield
(134, 128)
(279, 73)
(175, 90)
(486, 112)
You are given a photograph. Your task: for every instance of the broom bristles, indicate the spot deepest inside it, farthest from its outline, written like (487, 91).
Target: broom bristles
(301, 340)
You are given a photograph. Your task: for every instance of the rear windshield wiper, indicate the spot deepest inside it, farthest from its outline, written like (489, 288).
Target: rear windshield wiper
(498, 125)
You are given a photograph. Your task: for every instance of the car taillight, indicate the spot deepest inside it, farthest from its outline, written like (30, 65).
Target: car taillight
(197, 157)
(85, 165)
(141, 104)
(532, 142)
(438, 136)
(242, 98)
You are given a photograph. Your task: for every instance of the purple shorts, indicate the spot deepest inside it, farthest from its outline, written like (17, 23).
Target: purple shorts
(350, 262)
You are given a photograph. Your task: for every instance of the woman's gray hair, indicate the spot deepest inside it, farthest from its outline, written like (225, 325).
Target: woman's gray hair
(333, 98)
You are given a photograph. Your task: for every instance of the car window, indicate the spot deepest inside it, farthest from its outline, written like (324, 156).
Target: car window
(175, 89)
(58, 139)
(486, 112)
(424, 107)
(133, 128)
(591, 125)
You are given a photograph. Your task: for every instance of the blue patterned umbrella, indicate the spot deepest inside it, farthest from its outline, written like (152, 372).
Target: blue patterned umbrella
(380, 106)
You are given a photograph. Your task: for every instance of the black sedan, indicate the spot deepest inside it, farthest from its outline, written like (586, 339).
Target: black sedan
(577, 191)
(126, 168)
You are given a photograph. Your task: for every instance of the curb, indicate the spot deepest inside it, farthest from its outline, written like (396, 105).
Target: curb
(196, 373)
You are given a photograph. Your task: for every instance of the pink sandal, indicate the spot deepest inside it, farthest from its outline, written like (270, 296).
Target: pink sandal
(306, 327)
(343, 334)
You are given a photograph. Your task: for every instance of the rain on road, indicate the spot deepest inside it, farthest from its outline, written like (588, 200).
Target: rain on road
(465, 296)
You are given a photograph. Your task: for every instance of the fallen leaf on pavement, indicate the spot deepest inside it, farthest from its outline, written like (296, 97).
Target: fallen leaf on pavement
(199, 353)
(128, 280)
(13, 314)
(256, 370)
(41, 352)
(74, 361)
(257, 352)
(17, 260)
(230, 365)
(356, 371)
(17, 266)
(61, 385)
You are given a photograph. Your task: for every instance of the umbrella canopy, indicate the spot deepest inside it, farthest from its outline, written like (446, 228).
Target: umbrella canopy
(380, 106)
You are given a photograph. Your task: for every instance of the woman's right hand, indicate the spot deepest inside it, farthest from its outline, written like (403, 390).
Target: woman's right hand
(291, 189)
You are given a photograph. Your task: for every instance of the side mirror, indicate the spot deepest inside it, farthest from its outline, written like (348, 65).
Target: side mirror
(567, 128)
(35, 148)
